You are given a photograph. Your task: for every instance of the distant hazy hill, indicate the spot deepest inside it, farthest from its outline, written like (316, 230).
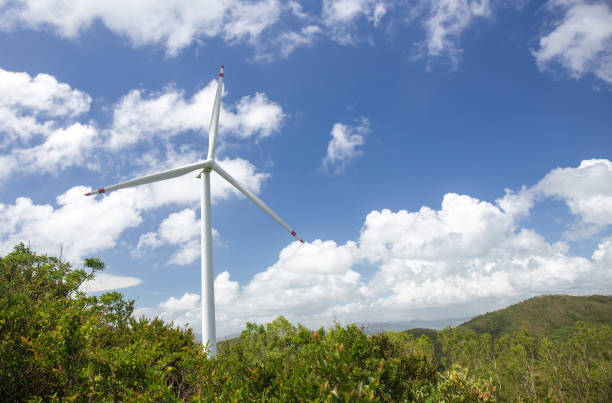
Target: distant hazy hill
(438, 324)
(546, 314)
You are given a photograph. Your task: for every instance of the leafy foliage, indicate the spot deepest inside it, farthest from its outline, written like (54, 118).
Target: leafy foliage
(281, 362)
(57, 343)
(522, 366)
(544, 315)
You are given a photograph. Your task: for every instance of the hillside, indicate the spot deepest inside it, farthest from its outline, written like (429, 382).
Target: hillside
(59, 344)
(547, 314)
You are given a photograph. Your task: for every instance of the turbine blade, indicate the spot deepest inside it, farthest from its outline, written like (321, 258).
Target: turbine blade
(217, 168)
(214, 120)
(160, 176)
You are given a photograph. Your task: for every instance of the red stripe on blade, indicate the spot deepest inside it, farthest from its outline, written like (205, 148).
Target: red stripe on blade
(293, 233)
(101, 190)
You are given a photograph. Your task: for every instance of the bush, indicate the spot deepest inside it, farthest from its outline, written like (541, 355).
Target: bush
(56, 343)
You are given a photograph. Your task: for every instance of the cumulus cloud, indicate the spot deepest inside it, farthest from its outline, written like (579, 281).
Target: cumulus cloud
(289, 41)
(186, 189)
(286, 42)
(272, 27)
(181, 229)
(581, 40)
(342, 148)
(603, 257)
(37, 124)
(139, 116)
(69, 223)
(62, 149)
(467, 253)
(340, 17)
(469, 249)
(186, 302)
(306, 280)
(444, 23)
(586, 189)
(47, 228)
(29, 105)
(171, 24)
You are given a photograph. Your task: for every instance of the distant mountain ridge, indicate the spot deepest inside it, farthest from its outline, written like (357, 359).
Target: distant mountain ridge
(543, 315)
(398, 326)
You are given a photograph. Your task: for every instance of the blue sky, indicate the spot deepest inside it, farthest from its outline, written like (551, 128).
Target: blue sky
(440, 158)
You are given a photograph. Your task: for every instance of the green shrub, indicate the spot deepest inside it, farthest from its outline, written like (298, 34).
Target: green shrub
(56, 343)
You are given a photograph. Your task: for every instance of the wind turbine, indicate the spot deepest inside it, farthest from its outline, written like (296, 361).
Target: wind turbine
(208, 293)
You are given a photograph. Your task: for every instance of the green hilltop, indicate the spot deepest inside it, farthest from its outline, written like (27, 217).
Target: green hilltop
(543, 315)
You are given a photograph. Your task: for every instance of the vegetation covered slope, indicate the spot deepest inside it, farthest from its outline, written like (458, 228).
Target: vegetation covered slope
(59, 344)
(543, 315)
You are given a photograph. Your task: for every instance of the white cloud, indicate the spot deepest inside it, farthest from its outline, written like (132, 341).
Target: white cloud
(517, 204)
(249, 19)
(467, 256)
(80, 224)
(305, 280)
(176, 25)
(586, 189)
(285, 43)
(85, 225)
(108, 282)
(272, 27)
(603, 256)
(297, 9)
(149, 240)
(28, 104)
(581, 41)
(226, 290)
(139, 116)
(308, 281)
(70, 146)
(446, 20)
(469, 249)
(340, 17)
(463, 228)
(186, 189)
(186, 302)
(181, 229)
(63, 148)
(342, 148)
(254, 114)
(188, 253)
(35, 122)
(172, 24)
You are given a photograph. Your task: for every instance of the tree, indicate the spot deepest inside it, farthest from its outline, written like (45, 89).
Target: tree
(58, 343)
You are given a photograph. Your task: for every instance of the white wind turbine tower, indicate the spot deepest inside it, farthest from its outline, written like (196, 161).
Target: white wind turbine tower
(208, 165)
